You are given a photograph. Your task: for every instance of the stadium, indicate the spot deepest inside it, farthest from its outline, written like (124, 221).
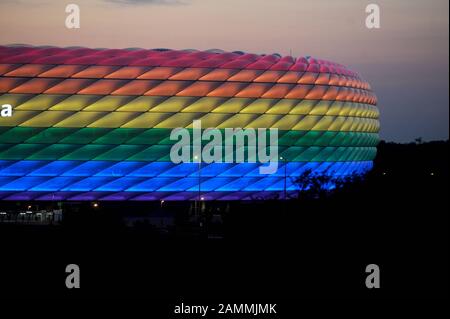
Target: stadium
(95, 124)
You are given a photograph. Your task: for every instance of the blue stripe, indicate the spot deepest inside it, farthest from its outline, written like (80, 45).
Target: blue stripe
(106, 176)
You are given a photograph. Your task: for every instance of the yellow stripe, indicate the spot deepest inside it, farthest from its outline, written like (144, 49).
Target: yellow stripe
(29, 102)
(172, 120)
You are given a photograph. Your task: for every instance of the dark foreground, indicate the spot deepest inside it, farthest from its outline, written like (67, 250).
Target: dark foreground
(263, 251)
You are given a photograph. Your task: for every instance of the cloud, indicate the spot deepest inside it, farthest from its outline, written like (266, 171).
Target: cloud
(152, 2)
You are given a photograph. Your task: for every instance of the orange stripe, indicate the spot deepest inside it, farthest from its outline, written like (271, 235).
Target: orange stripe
(278, 91)
(97, 71)
(136, 87)
(299, 92)
(254, 90)
(159, 73)
(127, 72)
(245, 75)
(35, 86)
(69, 86)
(7, 84)
(219, 75)
(30, 70)
(168, 88)
(198, 89)
(103, 87)
(62, 71)
(228, 89)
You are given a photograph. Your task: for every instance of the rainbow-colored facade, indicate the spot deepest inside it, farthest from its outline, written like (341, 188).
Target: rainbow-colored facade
(94, 124)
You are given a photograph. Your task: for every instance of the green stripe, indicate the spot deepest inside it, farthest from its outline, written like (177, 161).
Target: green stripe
(160, 136)
(162, 153)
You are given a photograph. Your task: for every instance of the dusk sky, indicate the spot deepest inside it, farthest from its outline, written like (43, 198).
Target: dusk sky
(405, 61)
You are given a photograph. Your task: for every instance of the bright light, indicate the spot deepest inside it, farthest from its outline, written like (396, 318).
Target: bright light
(202, 198)
(95, 204)
(431, 173)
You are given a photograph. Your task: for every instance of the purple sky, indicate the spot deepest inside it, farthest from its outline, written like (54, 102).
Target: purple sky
(406, 60)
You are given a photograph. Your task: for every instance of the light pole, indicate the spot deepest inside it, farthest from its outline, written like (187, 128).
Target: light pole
(199, 197)
(285, 175)
(199, 186)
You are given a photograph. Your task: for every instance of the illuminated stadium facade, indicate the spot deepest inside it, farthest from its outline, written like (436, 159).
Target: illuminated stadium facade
(94, 124)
